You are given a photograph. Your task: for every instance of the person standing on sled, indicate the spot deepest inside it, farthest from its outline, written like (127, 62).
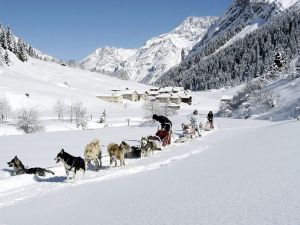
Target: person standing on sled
(166, 128)
(210, 117)
(193, 118)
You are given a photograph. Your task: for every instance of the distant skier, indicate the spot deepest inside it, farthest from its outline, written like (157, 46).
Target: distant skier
(210, 117)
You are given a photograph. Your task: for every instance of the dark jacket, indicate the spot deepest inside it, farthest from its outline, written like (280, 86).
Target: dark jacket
(210, 116)
(166, 124)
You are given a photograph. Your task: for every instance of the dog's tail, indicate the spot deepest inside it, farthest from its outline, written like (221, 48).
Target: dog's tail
(49, 171)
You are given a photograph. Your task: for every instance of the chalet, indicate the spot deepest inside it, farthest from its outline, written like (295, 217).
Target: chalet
(175, 98)
(166, 90)
(154, 89)
(143, 95)
(130, 95)
(163, 98)
(186, 98)
(177, 89)
(111, 98)
(153, 93)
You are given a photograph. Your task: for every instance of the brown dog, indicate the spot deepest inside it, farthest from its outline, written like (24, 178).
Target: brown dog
(116, 152)
(92, 152)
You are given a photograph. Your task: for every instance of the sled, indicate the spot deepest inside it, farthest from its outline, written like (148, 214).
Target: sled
(188, 131)
(208, 126)
(162, 137)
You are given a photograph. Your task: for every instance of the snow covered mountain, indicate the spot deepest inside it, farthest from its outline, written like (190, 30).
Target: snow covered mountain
(106, 60)
(238, 47)
(163, 52)
(242, 17)
(154, 58)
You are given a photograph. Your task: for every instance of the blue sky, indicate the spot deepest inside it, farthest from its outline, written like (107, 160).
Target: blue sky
(72, 29)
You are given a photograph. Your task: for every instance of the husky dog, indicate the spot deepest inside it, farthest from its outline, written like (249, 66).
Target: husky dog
(126, 147)
(19, 168)
(70, 162)
(148, 146)
(134, 152)
(116, 152)
(92, 153)
(131, 151)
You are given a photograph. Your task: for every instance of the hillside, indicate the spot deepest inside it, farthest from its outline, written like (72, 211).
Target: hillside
(40, 84)
(233, 52)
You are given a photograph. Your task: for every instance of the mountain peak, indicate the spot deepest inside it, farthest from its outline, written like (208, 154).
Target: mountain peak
(195, 24)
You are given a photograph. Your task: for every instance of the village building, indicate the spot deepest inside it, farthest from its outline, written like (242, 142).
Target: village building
(177, 89)
(163, 98)
(186, 98)
(166, 90)
(130, 95)
(153, 93)
(111, 98)
(154, 89)
(175, 98)
(143, 95)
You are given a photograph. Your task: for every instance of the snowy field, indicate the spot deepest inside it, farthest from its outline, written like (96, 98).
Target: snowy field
(244, 172)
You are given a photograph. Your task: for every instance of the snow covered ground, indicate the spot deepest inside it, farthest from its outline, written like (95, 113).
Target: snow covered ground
(244, 172)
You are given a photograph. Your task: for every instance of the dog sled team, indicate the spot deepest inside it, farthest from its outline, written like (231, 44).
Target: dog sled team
(118, 152)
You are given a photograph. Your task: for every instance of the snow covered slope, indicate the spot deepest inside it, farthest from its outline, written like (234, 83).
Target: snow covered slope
(46, 82)
(242, 17)
(106, 60)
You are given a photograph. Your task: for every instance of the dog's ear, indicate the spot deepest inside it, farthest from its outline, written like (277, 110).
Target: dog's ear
(16, 157)
(62, 150)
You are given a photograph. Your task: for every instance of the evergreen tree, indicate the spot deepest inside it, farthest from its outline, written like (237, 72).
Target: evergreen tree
(6, 58)
(3, 42)
(21, 52)
(279, 60)
(9, 39)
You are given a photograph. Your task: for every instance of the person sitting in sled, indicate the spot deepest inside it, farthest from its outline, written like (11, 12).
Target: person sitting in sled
(210, 117)
(194, 118)
(166, 128)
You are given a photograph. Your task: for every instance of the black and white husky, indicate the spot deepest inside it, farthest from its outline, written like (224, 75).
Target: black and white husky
(19, 168)
(70, 162)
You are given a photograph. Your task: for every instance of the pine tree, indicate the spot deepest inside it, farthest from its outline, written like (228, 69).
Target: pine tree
(3, 42)
(279, 60)
(103, 117)
(9, 39)
(21, 52)
(6, 58)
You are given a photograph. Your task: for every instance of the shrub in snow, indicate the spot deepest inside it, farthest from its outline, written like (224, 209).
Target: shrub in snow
(28, 121)
(252, 99)
(60, 109)
(5, 109)
(78, 113)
